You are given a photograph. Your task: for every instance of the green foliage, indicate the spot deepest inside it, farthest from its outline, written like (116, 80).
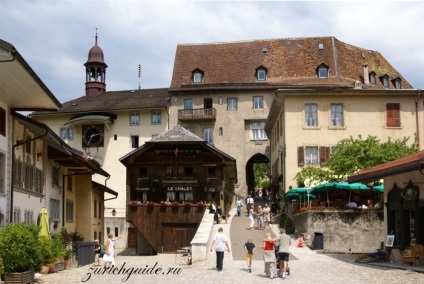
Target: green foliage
(47, 256)
(1, 267)
(265, 183)
(261, 172)
(58, 249)
(20, 249)
(76, 237)
(352, 155)
(66, 239)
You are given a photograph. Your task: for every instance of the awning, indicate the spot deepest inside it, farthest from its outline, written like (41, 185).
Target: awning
(90, 119)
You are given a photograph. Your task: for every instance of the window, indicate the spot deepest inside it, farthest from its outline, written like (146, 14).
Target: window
(67, 133)
(372, 78)
(55, 176)
(393, 114)
(95, 208)
(29, 175)
(258, 102)
(257, 131)
(396, 83)
(69, 210)
(2, 174)
(134, 119)
(100, 209)
(311, 115)
(185, 196)
(311, 156)
(28, 217)
(2, 122)
(211, 172)
(134, 141)
(116, 232)
(385, 81)
(221, 132)
(322, 71)
(261, 74)
(220, 100)
(17, 179)
(336, 115)
(208, 135)
(69, 183)
(197, 77)
(156, 117)
(16, 215)
(232, 103)
(188, 103)
(38, 181)
(54, 209)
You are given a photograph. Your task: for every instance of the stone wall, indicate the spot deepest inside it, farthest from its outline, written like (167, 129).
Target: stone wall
(344, 231)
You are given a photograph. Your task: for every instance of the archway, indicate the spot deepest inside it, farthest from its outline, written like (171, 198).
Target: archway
(251, 181)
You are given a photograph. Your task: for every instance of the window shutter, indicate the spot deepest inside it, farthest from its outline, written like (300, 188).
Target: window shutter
(393, 114)
(324, 154)
(300, 157)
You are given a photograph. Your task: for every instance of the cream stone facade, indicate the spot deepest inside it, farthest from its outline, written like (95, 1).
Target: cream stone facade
(231, 128)
(364, 113)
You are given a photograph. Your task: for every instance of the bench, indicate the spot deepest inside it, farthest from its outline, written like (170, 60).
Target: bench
(412, 254)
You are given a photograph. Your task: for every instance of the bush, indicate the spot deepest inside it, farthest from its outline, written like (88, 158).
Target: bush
(20, 248)
(46, 251)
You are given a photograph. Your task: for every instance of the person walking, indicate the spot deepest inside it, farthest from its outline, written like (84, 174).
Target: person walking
(97, 250)
(109, 255)
(284, 242)
(266, 215)
(251, 219)
(249, 246)
(249, 202)
(260, 218)
(239, 205)
(219, 243)
(269, 256)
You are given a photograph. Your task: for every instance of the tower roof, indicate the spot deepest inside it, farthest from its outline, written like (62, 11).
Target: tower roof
(95, 55)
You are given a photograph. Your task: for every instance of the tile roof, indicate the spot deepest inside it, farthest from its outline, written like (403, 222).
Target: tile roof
(289, 62)
(116, 100)
(408, 163)
(177, 134)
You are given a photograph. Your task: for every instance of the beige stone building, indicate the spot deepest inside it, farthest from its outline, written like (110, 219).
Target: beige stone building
(106, 125)
(342, 91)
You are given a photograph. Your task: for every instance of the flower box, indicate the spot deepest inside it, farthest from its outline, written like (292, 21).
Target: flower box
(19, 277)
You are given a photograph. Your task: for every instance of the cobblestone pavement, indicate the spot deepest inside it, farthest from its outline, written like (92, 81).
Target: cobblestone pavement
(309, 267)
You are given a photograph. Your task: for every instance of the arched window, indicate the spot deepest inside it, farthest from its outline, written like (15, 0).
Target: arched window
(322, 71)
(197, 76)
(261, 74)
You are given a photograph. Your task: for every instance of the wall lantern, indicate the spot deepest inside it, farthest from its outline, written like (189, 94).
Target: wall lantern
(113, 212)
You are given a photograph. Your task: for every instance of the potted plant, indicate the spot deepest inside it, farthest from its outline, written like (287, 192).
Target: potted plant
(58, 252)
(47, 256)
(288, 225)
(20, 252)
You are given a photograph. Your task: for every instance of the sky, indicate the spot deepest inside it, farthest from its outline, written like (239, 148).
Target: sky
(55, 36)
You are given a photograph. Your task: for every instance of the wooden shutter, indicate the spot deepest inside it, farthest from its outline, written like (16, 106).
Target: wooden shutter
(300, 156)
(324, 154)
(393, 114)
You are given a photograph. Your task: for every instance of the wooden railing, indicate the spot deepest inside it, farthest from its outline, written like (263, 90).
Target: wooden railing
(197, 114)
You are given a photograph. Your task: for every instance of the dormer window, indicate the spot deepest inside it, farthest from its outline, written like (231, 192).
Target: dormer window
(372, 78)
(261, 73)
(322, 71)
(197, 76)
(385, 81)
(396, 83)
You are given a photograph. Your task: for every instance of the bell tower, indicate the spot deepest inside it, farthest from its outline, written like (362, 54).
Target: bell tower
(95, 72)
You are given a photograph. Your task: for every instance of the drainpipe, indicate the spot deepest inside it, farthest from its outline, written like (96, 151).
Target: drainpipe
(106, 186)
(417, 119)
(19, 143)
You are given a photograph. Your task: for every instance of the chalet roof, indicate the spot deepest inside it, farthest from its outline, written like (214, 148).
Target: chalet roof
(116, 100)
(289, 62)
(405, 164)
(176, 134)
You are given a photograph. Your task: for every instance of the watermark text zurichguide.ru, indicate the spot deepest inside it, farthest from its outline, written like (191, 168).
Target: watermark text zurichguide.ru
(127, 272)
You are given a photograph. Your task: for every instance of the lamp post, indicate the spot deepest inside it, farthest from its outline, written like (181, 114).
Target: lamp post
(113, 212)
(308, 190)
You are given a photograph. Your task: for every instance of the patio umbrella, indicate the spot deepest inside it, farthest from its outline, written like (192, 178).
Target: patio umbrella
(325, 188)
(351, 186)
(378, 188)
(44, 223)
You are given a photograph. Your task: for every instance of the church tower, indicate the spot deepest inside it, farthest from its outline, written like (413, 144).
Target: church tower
(95, 72)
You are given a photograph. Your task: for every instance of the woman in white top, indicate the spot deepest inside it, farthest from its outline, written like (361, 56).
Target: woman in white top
(109, 253)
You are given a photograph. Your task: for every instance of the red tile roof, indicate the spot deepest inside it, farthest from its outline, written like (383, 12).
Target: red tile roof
(408, 163)
(290, 62)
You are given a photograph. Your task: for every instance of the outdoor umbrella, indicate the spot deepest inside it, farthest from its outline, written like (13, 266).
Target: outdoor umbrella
(300, 192)
(44, 223)
(325, 188)
(351, 186)
(378, 188)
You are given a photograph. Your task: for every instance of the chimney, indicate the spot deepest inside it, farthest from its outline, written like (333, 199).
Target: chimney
(366, 74)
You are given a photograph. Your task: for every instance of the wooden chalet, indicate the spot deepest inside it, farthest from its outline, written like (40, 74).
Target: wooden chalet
(179, 167)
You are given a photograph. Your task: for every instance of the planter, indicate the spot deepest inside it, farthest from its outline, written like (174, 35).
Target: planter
(59, 264)
(44, 269)
(19, 277)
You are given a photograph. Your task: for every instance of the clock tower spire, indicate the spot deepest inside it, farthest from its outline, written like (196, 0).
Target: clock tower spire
(95, 71)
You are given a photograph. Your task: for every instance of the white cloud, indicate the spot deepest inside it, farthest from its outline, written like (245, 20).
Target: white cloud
(55, 36)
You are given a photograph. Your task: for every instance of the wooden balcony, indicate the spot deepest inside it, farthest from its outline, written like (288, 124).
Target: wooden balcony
(166, 227)
(197, 114)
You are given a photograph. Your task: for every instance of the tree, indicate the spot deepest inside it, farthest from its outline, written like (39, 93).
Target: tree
(352, 155)
(261, 172)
